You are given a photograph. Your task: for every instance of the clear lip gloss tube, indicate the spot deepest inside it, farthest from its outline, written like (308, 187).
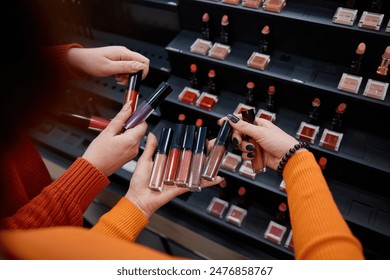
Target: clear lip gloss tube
(183, 173)
(217, 153)
(258, 164)
(172, 164)
(198, 160)
(160, 159)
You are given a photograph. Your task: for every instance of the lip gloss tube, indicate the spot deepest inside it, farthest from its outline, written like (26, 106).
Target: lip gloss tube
(147, 107)
(174, 154)
(217, 153)
(183, 172)
(92, 122)
(198, 160)
(160, 159)
(258, 164)
(132, 91)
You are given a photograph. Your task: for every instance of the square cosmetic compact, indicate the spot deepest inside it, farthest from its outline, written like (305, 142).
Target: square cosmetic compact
(274, 5)
(247, 170)
(217, 207)
(264, 114)
(243, 107)
(370, 20)
(189, 95)
(233, 2)
(331, 139)
(235, 215)
(252, 3)
(201, 46)
(206, 101)
(231, 161)
(275, 232)
(376, 89)
(259, 61)
(289, 241)
(350, 83)
(307, 132)
(345, 16)
(219, 51)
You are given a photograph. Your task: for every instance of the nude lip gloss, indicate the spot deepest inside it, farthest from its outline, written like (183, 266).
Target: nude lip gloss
(132, 91)
(198, 160)
(147, 107)
(258, 164)
(183, 171)
(92, 122)
(174, 154)
(160, 159)
(217, 153)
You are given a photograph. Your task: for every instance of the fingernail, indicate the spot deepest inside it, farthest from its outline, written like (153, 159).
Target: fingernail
(136, 64)
(251, 155)
(126, 107)
(233, 118)
(235, 141)
(249, 147)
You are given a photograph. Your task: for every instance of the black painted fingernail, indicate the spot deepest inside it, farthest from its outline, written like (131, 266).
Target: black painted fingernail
(249, 147)
(235, 141)
(251, 155)
(233, 118)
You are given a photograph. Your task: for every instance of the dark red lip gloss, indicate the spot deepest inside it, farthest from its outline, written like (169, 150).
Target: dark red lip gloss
(132, 91)
(92, 122)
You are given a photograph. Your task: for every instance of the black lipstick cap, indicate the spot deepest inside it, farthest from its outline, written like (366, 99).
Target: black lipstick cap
(164, 141)
(178, 135)
(189, 136)
(163, 90)
(248, 115)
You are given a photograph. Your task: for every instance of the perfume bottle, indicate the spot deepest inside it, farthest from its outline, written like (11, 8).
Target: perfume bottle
(337, 122)
(357, 59)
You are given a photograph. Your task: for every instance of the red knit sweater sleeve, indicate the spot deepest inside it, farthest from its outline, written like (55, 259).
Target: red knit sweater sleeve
(64, 201)
(319, 229)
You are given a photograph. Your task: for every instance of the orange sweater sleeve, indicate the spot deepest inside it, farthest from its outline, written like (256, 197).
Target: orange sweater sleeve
(319, 229)
(63, 202)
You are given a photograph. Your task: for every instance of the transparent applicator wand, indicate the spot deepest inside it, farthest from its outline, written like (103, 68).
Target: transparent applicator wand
(146, 108)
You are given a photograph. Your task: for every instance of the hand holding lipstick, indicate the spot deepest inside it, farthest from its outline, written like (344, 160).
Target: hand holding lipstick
(147, 200)
(107, 61)
(111, 149)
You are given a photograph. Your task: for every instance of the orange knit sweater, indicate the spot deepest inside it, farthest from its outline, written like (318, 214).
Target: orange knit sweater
(320, 232)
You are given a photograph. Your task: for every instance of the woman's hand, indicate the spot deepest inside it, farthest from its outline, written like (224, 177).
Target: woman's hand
(147, 200)
(115, 61)
(111, 149)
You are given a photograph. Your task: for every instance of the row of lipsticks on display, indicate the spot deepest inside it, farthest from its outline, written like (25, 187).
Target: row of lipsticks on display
(207, 99)
(182, 157)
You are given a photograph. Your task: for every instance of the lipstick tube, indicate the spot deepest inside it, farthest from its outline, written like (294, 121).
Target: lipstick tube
(383, 68)
(132, 91)
(198, 160)
(205, 26)
(225, 30)
(217, 153)
(93, 122)
(258, 162)
(183, 172)
(174, 154)
(357, 59)
(160, 159)
(147, 107)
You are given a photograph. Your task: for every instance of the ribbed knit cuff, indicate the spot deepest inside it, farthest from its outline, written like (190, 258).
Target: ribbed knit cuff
(124, 221)
(82, 182)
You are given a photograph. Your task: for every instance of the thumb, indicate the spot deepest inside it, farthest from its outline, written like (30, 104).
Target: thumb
(116, 124)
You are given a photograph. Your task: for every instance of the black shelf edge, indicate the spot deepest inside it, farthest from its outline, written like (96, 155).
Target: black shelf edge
(160, 4)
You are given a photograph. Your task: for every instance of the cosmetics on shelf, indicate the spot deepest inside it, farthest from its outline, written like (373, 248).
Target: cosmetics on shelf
(376, 89)
(350, 83)
(201, 46)
(250, 97)
(383, 68)
(275, 232)
(205, 27)
(224, 35)
(194, 76)
(231, 161)
(236, 215)
(345, 16)
(217, 207)
(258, 60)
(252, 3)
(357, 59)
(308, 130)
(189, 95)
(212, 82)
(264, 43)
(337, 120)
(274, 5)
(370, 20)
(270, 100)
